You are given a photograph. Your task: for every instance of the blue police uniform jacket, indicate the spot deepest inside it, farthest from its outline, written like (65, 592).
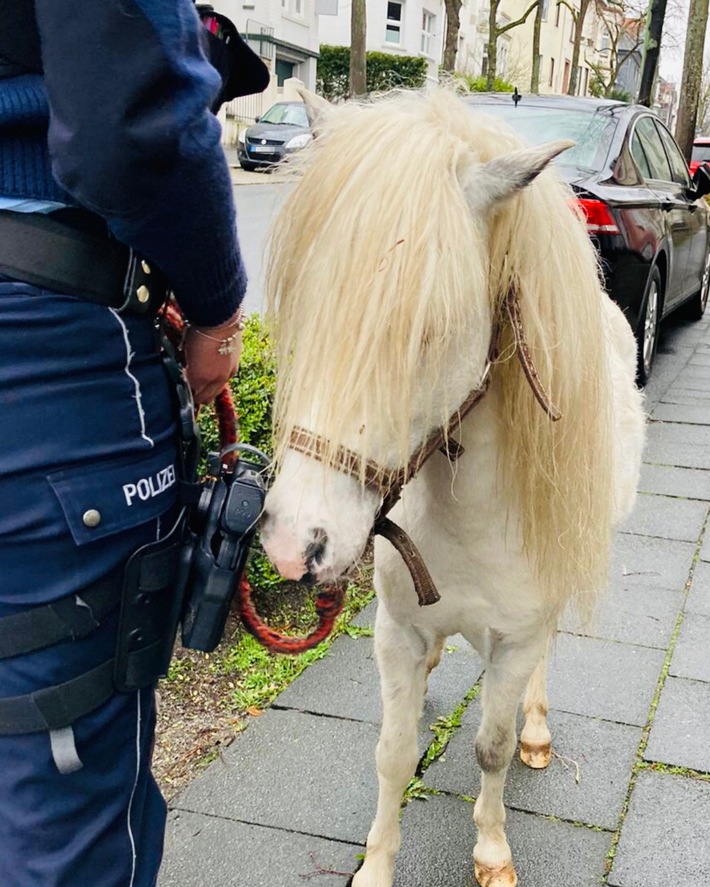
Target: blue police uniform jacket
(119, 125)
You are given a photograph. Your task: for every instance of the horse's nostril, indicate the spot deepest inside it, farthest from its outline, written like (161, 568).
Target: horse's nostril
(316, 547)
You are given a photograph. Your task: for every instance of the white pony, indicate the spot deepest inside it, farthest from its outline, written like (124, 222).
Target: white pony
(415, 236)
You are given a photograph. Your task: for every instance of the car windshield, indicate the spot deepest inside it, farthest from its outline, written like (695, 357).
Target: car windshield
(701, 153)
(591, 131)
(293, 115)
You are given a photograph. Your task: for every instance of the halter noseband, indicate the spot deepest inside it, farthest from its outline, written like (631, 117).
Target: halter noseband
(388, 483)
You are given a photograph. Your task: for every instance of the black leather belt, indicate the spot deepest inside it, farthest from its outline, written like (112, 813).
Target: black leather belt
(71, 252)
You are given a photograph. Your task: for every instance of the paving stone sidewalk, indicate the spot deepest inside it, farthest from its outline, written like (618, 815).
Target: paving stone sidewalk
(626, 800)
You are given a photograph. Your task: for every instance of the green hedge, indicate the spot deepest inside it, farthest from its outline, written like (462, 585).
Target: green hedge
(253, 392)
(479, 84)
(384, 71)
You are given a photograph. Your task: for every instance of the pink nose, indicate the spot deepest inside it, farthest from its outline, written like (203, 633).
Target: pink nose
(289, 569)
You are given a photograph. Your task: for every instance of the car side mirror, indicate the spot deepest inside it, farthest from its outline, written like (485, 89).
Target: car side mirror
(701, 180)
(257, 119)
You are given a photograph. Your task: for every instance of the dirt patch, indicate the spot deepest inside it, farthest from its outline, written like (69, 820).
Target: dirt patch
(208, 699)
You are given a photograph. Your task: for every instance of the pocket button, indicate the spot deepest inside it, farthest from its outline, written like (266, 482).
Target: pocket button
(91, 518)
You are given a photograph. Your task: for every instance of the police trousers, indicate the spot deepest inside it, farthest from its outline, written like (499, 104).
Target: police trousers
(87, 475)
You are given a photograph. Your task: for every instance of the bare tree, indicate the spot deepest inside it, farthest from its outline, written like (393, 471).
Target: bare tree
(651, 50)
(690, 82)
(358, 48)
(451, 43)
(537, 25)
(704, 98)
(578, 17)
(495, 31)
(618, 29)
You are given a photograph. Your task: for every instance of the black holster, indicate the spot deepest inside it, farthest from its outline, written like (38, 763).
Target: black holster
(151, 607)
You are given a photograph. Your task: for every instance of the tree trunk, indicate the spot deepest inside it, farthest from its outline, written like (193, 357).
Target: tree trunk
(358, 49)
(535, 76)
(492, 44)
(451, 44)
(578, 29)
(651, 50)
(692, 74)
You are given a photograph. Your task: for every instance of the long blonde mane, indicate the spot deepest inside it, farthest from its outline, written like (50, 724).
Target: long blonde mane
(376, 252)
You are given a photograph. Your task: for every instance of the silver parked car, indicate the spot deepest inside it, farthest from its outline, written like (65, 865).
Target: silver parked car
(283, 129)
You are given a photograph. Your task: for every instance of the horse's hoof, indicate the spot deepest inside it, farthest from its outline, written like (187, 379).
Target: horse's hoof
(490, 877)
(536, 756)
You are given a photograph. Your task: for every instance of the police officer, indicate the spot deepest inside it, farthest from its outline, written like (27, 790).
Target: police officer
(113, 187)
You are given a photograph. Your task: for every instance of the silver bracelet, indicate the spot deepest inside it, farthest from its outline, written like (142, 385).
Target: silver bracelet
(229, 344)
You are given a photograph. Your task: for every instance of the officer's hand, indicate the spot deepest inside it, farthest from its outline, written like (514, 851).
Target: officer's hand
(211, 358)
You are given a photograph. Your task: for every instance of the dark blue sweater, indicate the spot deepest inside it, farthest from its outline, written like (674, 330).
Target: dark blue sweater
(126, 92)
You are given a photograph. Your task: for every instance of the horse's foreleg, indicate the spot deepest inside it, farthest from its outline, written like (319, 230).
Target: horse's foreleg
(510, 667)
(402, 656)
(535, 739)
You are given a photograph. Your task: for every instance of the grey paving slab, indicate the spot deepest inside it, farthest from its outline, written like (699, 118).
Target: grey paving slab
(343, 684)
(681, 727)
(670, 443)
(206, 851)
(685, 397)
(602, 679)
(366, 617)
(705, 547)
(293, 771)
(692, 415)
(665, 839)
(586, 781)
(686, 483)
(438, 838)
(644, 616)
(643, 562)
(346, 683)
(695, 371)
(691, 386)
(698, 600)
(667, 518)
(691, 657)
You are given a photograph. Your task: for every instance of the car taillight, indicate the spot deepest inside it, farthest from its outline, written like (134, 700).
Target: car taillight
(598, 215)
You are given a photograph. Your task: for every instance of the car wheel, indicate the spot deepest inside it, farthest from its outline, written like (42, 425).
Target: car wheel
(246, 166)
(699, 302)
(647, 331)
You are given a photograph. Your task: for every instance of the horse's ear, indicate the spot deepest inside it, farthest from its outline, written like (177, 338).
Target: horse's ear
(317, 108)
(488, 183)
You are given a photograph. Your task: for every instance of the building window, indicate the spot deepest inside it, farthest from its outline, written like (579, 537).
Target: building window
(552, 72)
(557, 15)
(427, 31)
(298, 7)
(393, 34)
(544, 10)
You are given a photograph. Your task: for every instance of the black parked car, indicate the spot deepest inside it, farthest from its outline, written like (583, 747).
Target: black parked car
(283, 129)
(643, 210)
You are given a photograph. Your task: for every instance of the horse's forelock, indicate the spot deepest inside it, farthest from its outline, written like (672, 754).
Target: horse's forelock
(375, 261)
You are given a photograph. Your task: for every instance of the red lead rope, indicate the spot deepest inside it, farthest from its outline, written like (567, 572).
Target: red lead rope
(329, 600)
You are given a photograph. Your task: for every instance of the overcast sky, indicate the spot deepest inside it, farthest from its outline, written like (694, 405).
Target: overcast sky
(673, 42)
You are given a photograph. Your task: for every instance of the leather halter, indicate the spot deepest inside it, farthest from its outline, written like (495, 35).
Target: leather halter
(389, 482)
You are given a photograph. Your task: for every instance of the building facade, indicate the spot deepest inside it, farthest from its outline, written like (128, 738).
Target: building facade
(401, 27)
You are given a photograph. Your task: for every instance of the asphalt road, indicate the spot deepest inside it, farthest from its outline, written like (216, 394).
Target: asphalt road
(257, 206)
